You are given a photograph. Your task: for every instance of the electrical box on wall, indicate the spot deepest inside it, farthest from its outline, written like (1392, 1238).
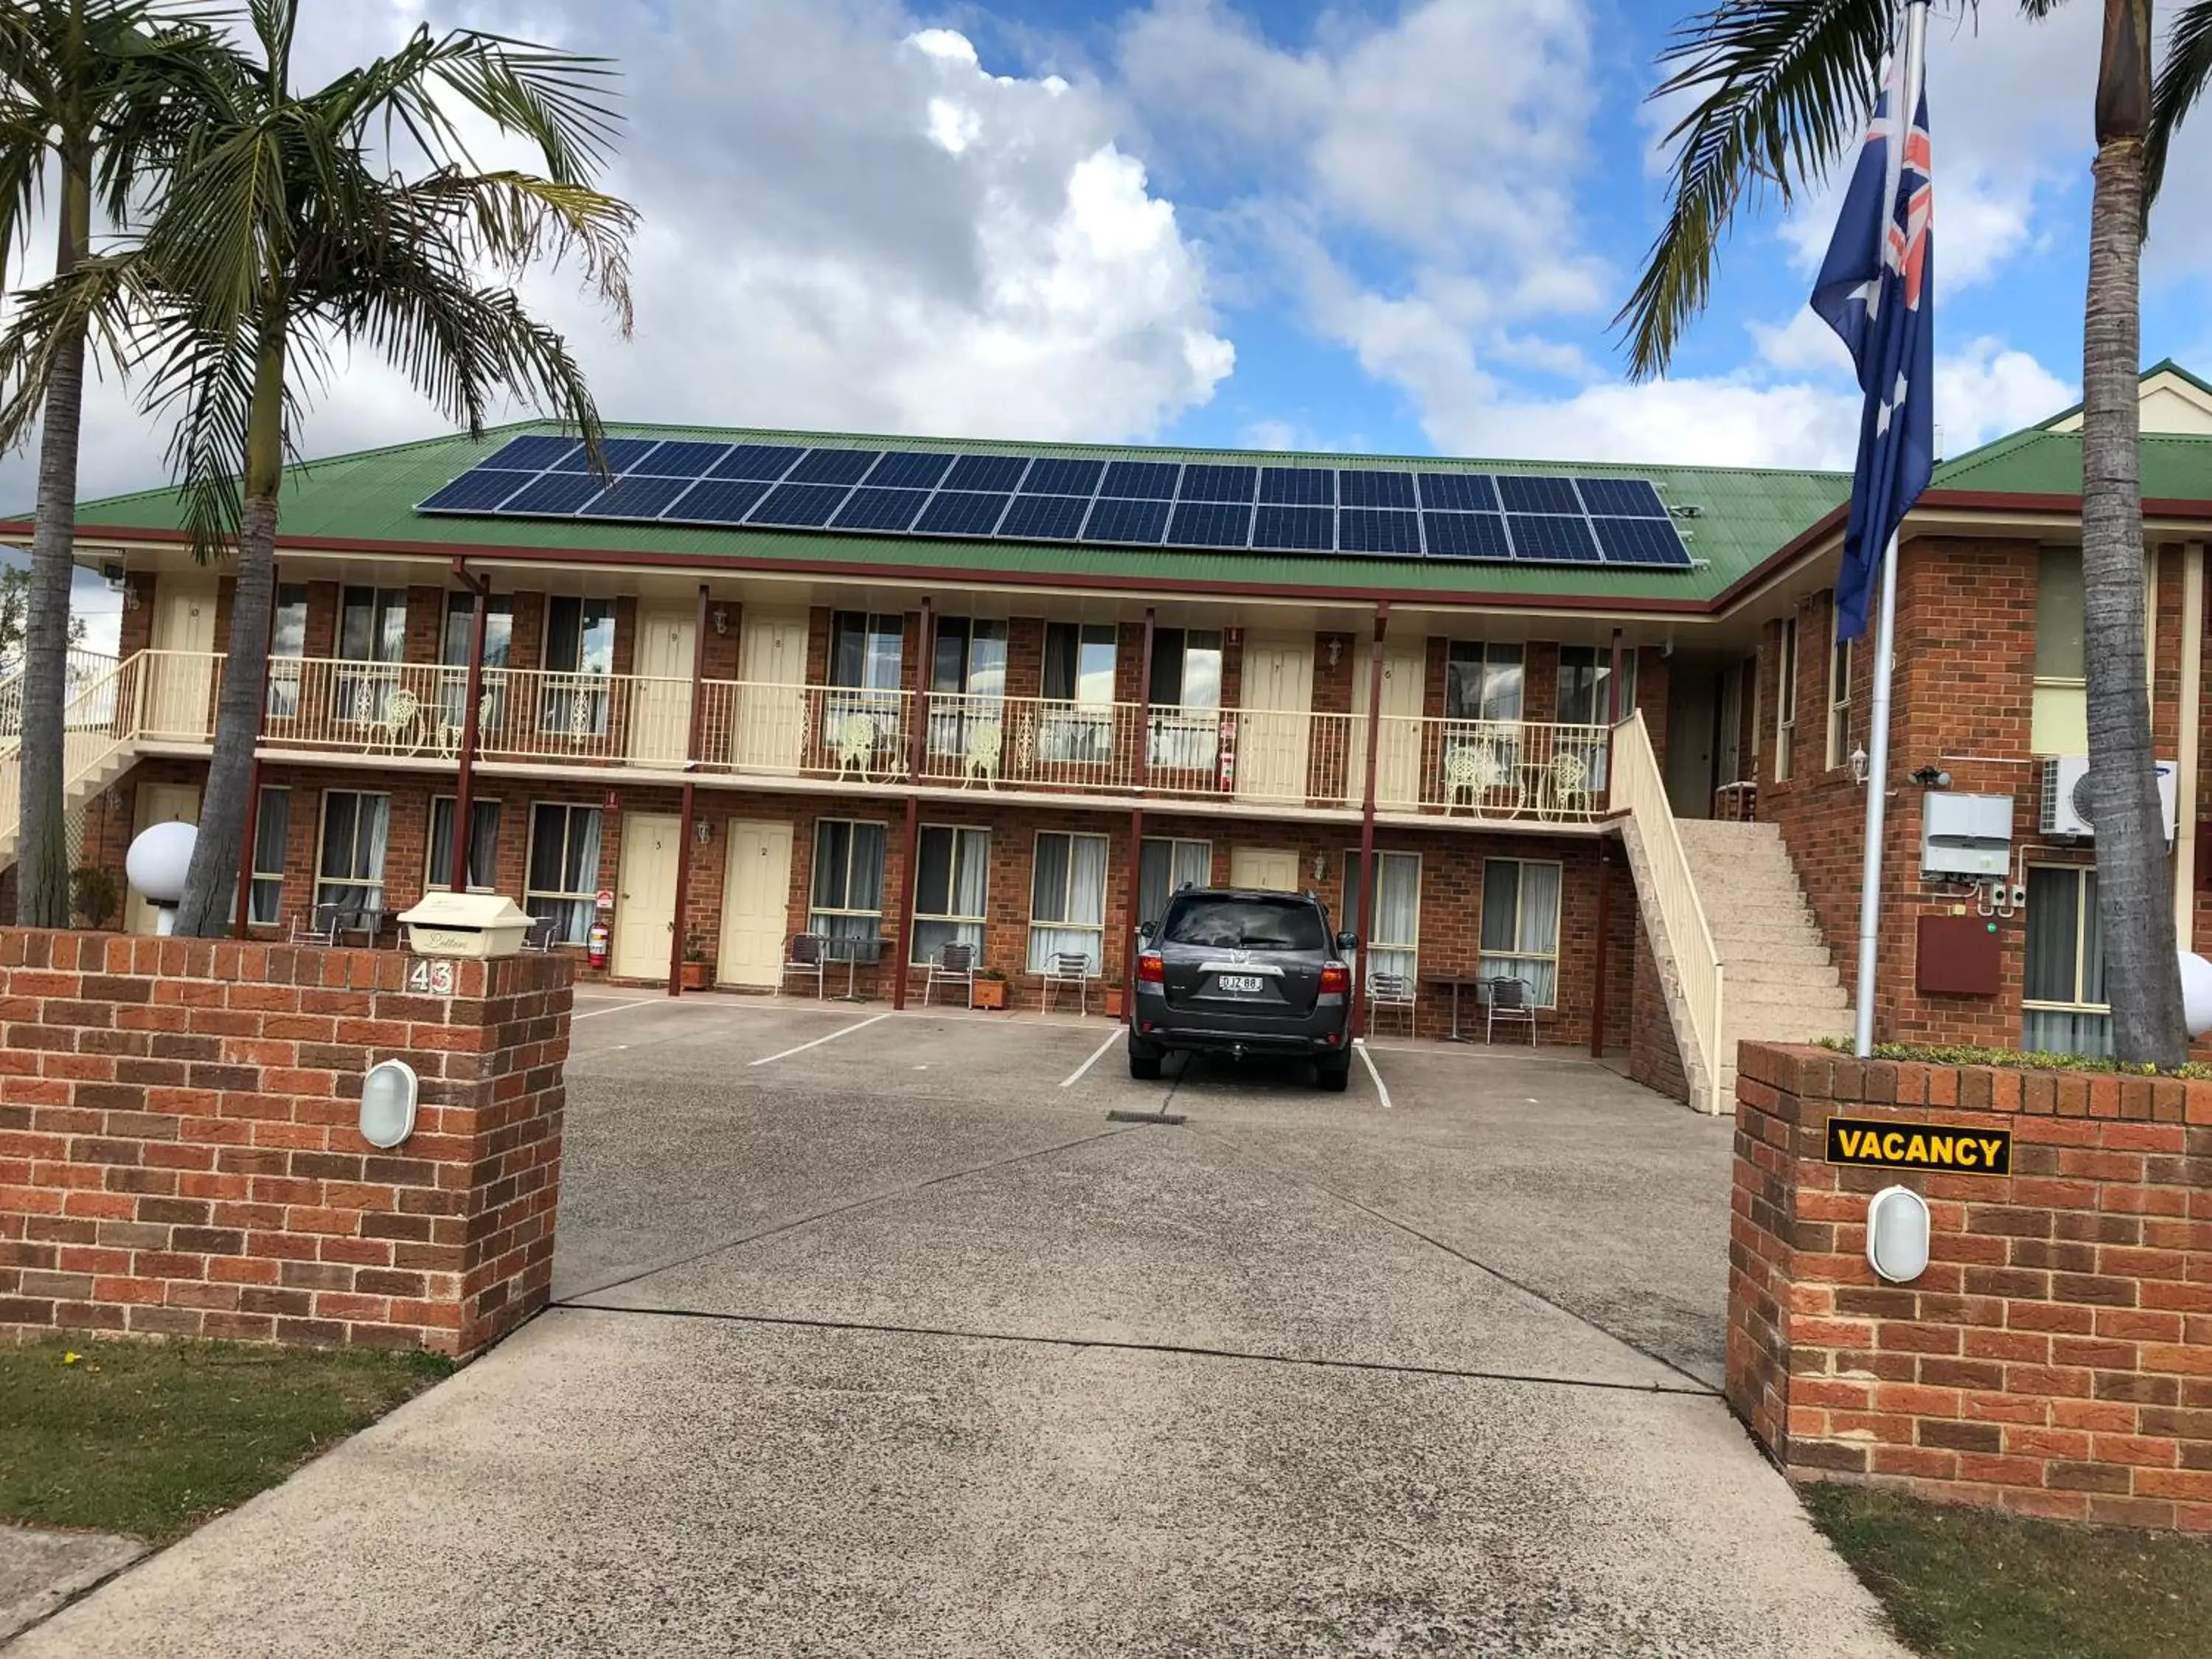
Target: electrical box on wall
(1965, 837)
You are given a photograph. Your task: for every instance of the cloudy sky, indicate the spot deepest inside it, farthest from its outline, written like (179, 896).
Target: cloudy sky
(1397, 226)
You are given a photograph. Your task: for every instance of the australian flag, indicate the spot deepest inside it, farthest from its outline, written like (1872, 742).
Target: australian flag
(1877, 289)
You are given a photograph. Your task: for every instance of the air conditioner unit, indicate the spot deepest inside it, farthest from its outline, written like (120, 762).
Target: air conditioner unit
(2066, 796)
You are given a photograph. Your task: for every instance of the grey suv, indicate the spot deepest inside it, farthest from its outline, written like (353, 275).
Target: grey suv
(1236, 971)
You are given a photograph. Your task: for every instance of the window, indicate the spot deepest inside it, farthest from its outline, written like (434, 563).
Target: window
(2062, 1006)
(1165, 866)
(1839, 704)
(967, 678)
(1079, 674)
(1067, 899)
(2060, 724)
(1482, 681)
(1785, 700)
(371, 630)
(272, 826)
(483, 846)
(865, 654)
(953, 875)
(1394, 945)
(288, 643)
(499, 641)
(1585, 697)
(580, 656)
(350, 872)
(563, 880)
(1251, 923)
(1521, 925)
(848, 880)
(1186, 691)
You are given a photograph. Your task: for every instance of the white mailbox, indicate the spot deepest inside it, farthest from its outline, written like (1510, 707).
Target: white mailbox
(465, 924)
(1965, 837)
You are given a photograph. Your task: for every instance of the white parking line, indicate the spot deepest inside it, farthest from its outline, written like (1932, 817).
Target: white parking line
(1381, 1087)
(618, 1007)
(1076, 1076)
(843, 1032)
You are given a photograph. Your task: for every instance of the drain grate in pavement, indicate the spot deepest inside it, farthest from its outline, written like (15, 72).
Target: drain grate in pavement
(1145, 1117)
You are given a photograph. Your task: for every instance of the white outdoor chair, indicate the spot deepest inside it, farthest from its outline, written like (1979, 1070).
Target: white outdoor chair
(1507, 1000)
(319, 927)
(1064, 968)
(986, 740)
(1392, 991)
(953, 964)
(856, 745)
(395, 719)
(805, 958)
(1472, 769)
(544, 934)
(1567, 791)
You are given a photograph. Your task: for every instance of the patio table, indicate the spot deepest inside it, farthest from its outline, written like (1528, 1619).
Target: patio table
(853, 952)
(1454, 982)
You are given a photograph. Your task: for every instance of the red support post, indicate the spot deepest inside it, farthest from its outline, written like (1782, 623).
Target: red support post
(1137, 824)
(245, 861)
(464, 788)
(917, 753)
(678, 931)
(1367, 818)
(1605, 862)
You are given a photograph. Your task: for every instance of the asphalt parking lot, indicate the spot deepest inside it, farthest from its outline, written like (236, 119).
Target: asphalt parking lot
(887, 1334)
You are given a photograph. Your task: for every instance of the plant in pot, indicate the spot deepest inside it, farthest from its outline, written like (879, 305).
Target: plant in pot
(1113, 994)
(94, 895)
(698, 972)
(990, 988)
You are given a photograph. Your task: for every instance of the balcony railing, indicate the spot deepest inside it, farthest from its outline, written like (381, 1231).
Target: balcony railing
(1490, 770)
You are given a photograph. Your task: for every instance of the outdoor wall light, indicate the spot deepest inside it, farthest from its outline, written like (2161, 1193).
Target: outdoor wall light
(1897, 1234)
(387, 1103)
(1859, 764)
(1931, 777)
(721, 619)
(703, 831)
(1335, 650)
(1321, 866)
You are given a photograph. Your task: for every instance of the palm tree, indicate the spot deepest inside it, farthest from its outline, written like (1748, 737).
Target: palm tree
(287, 233)
(94, 91)
(1783, 88)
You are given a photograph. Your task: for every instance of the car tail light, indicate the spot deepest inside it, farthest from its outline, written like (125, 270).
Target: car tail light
(1151, 970)
(1337, 978)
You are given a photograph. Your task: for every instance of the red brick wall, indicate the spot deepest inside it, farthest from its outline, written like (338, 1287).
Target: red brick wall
(179, 1154)
(1653, 1059)
(2056, 1357)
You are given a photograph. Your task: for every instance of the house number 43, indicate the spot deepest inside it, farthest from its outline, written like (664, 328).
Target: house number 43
(434, 977)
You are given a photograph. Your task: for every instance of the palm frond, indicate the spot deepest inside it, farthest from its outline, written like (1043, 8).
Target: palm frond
(99, 300)
(512, 220)
(2181, 82)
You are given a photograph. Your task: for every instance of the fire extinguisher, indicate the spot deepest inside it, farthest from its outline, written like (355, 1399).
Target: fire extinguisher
(595, 947)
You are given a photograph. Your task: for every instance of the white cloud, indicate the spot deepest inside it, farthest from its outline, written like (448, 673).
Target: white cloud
(1989, 390)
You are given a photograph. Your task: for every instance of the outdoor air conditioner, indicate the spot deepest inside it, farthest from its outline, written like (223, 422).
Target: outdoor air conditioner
(2066, 796)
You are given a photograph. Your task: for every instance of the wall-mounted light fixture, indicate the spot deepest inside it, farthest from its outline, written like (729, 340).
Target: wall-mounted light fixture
(721, 620)
(1897, 1234)
(702, 831)
(1321, 866)
(388, 1094)
(1859, 764)
(1931, 777)
(1335, 650)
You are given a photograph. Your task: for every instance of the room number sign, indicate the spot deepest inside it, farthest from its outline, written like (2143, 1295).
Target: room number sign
(433, 978)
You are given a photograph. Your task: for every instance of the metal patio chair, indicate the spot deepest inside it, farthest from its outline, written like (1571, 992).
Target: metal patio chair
(1392, 991)
(319, 927)
(953, 964)
(1507, 1000)
(1062, 970)
(808, 952)
(542, 935)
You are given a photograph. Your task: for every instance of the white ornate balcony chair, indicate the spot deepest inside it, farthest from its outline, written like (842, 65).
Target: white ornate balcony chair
(1065, 969)
(856, 745)
(394, 718)
(1567, 788)
(986, 741)
(1472, 769)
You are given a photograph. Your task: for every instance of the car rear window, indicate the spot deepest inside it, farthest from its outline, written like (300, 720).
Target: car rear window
(1247, 924)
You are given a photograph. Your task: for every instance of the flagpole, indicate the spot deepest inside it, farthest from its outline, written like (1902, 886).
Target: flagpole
(1885, 650)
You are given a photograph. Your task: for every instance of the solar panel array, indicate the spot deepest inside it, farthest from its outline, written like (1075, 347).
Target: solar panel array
(1386, 513)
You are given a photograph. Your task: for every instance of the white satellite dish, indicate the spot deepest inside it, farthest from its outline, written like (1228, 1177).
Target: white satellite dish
(157, 863)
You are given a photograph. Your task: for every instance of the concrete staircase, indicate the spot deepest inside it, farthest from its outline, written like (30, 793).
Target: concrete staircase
(1782, 986)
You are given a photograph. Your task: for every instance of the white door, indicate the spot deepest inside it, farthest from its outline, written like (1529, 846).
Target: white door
(771, 700)
(158, 803)
(1266, 868)
(1273, 728)
(180, 686)
(660, 697)
(645, 904)
(756, 898)
(1398, 761)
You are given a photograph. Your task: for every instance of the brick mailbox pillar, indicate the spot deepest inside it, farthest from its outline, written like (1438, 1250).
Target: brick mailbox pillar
(180, 1153)
(2056, 1357)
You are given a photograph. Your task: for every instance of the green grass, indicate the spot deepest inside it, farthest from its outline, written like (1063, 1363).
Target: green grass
(153, 1439)
(1967, 1584)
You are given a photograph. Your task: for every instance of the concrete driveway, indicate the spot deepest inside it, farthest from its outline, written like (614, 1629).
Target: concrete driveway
(879, 1335)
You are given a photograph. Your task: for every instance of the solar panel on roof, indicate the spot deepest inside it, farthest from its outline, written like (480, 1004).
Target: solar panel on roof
(805, 507)
(1205, 483)
(986, 472)
(909, 469)
(718, 500)
(1126, 520)
(476, 491)
(636, 498)
(1527, 494)
(1152, 481)
(1641, 541)
(1211, 524)
(1621, 498)
(1460, 492)
(1553, 536)
(756, 461)
(1297, 529)
(681, 459)
(1358, 487)
(871, 508)
(962, 512)
(622, 454)
(1050, 477)
(1466, 536)
(1298, 486)
(1370, 530)
(833, 466)
(533, 453)
(1045, 518)
(556, 492)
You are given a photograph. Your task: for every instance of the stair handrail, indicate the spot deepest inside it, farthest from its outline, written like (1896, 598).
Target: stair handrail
(1640, 788)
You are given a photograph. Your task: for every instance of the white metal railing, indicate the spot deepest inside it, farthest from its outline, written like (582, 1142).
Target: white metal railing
(99, 717)
(1520, 769)
(1640, 789)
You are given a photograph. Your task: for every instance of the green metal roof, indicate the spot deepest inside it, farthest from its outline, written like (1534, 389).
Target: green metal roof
(1742, 515)
(2176, 467)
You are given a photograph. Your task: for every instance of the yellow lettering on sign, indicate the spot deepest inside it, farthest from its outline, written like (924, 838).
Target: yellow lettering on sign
(1939, 1149)
(1991, 1148)
(1849, 1141)
(1916, 1149)
(1892, 1144)
(1963, 1154)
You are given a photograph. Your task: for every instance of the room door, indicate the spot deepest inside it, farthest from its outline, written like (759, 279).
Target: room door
(1266, 868)
(179, 690)
(770, 718)
(1273, 728)
(158, 803)
(1398, 762)
(645, 904)
(660, 697)
(756, 897)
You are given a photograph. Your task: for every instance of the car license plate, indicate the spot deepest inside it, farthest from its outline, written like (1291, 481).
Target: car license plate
(1245, 984)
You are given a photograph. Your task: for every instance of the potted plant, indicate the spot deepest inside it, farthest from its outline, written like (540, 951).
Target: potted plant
(698, 972)
(94, 895)
(1113, 995)
(990, 988)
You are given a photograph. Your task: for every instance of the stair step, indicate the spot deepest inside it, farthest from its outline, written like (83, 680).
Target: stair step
(1778, 973)
(1746, 952)
(1784, 999)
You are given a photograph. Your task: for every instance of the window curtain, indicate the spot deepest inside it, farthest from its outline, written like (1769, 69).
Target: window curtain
(353, 851)
(1521, 926)
(1068, 887)
(1397, 915)
(272, 828)
(2062, 914)
(1165, 866)
(848, 876)
(564, 868)
(955, 864)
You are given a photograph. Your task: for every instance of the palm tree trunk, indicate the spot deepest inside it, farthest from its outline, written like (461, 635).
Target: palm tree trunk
(211, 885)
(2142, 981)
(42, 872)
